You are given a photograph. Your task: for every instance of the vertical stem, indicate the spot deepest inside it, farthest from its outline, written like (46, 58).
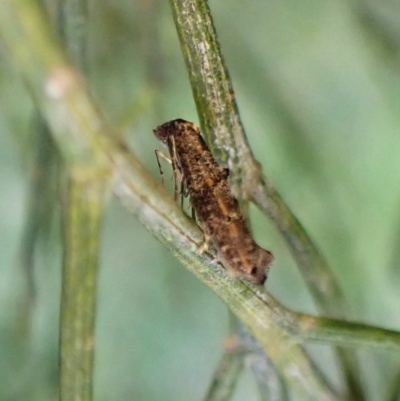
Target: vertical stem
(211, 87)
(222, 126)
(83, 211)
(41, 197)
(72, 24)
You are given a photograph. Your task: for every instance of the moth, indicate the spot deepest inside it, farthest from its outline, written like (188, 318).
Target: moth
(216, 208)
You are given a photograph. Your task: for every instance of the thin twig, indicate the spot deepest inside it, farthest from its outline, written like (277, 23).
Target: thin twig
(81, 134)
(222, 126)
(226, 375)
(270, 385)
(162, 217)
(83, 211)
(241, 347)
(41, 196)
(73, 27)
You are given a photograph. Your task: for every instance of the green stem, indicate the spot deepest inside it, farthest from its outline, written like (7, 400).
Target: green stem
(269, 383)
(347, 334)
(83, 215)
(302, 327)
(226, 376)
(313, 265)
(241, 347)
(211, 86)
(222, 126)
(41, 196)
(72, 24)
(81, 135)
(83, 211)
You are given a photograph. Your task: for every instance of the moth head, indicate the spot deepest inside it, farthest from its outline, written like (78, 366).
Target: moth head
(163, 132)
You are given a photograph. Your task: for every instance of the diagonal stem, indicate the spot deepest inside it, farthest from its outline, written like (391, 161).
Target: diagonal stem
(219, 117)
(226, 376)
(81, 135)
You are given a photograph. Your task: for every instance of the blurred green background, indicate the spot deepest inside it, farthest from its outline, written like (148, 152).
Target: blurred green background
(318, 87)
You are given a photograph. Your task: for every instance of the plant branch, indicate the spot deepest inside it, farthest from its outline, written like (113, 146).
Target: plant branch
(81, 135)
(226, 375)
(240, 349)
(84, 140)
(222, 126)
(73, 23)
(40, 205)
(86, 193)
(269, 382)
(83, 215)
(212, 88)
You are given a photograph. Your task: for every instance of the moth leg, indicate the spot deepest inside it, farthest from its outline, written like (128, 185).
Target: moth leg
(183, 191)
(177, 170)
(206, 243)
(166, 158)
(193, 213)
(177, 175)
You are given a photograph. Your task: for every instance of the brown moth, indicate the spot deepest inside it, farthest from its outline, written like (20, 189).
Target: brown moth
(216, 208)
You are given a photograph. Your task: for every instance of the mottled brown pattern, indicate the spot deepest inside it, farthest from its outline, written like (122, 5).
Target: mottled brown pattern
(216, 208)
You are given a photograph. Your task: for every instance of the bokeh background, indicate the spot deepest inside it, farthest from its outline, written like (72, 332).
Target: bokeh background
(318, 87)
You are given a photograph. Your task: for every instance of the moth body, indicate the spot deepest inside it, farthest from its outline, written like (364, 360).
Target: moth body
(216, 208)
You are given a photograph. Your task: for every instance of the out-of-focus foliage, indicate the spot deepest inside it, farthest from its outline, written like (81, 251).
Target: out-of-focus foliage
(318, 88)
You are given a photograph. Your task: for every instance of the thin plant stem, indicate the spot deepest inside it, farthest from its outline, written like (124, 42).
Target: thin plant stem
(226, 376)
(73, 27)
(81, 135)
(83, 212)
(219, 117)
(242, 349)
(41, 196)
(221, 124)
(270, 385)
